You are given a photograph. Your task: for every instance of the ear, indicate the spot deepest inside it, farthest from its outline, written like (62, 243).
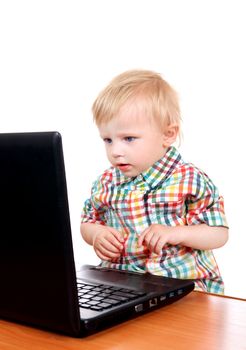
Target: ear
(170, 135)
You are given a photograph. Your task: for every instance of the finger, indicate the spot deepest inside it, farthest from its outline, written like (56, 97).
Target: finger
(105, 254)
(101, 256)
(108, 239)
(153, 242)
(107, 245)
(142, 236)
(159, 245)
(116, 234)
(111, 243)
(148, 237)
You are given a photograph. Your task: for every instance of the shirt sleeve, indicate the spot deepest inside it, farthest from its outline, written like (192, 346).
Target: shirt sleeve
(93, 210)
(204, 204)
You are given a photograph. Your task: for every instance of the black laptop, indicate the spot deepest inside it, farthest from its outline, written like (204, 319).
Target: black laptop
(37, 271)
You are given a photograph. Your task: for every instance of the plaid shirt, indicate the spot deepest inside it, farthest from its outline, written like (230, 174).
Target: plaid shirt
(170, 193)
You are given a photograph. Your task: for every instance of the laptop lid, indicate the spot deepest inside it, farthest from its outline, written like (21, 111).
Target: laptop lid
(37, 270)
(38, 283)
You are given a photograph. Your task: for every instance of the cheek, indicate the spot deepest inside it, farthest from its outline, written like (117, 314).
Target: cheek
(137, 150)
(108, 153)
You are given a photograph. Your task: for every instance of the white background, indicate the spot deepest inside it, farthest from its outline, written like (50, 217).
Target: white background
(55, 56)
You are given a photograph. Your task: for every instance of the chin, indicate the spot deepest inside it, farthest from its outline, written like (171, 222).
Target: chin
(131, 174)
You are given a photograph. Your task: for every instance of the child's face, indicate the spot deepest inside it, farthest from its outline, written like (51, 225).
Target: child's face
(134, 141)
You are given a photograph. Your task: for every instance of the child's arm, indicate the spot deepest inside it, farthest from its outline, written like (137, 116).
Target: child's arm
(202, 236)
(106, 241)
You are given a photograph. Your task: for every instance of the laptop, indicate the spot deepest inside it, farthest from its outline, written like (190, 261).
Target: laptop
(39, 283)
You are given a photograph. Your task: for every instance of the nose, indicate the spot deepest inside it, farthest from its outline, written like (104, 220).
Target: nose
(117, 150)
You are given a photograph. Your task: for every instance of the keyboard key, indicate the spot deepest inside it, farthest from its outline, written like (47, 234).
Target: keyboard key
(98, 289)
(104, 305)
(88, 287)
(112, 301)
(92, 292)
(83, 300)
(80, 285)
(96, 308)
(119, 298)
(108, 291)
(93, 302)
(97, 298)
(126, 295)
(83, 290)
(104, 295)
(87, 296)
(85, 306)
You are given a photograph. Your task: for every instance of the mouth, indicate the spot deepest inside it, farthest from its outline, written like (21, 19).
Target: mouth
(123, 167)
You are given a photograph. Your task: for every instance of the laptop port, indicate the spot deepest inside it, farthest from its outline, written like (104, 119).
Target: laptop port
(153, 302)
(139, 308)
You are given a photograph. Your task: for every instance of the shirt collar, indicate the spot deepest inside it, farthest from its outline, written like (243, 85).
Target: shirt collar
(157, 173)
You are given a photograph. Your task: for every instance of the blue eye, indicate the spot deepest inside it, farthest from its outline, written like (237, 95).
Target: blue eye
(130, 138)
(107, 140)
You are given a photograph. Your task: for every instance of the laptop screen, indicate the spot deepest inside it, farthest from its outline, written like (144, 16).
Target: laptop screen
(36, 254)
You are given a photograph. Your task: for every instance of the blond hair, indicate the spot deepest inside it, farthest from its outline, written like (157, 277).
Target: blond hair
(160, 98)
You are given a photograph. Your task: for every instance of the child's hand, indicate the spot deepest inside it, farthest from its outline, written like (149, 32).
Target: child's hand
(107, 243)
(156, 236)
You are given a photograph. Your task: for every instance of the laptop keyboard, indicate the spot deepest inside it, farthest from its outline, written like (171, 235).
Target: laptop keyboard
(101, 296)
